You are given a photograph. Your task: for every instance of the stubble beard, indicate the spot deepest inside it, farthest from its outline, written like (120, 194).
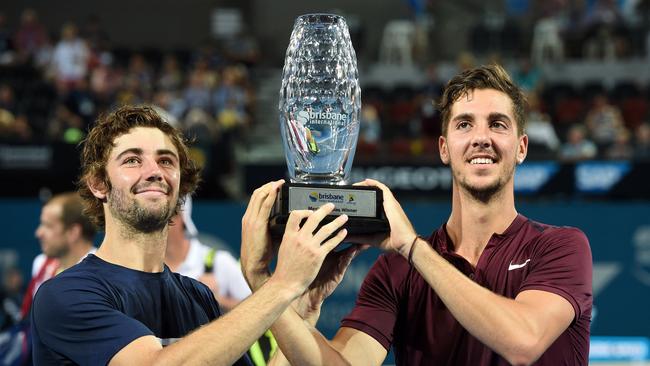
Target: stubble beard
(487, 193)
(138, 219)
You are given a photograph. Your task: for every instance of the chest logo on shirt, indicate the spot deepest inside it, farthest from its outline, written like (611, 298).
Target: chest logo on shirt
(517, 266)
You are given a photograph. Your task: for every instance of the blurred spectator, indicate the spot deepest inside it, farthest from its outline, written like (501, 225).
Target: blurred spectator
(231, 91)
(541, 134)
(22, 130)
(7, 98)
(15, 128)
(66, 237)
(172, 106)
(70, 59)
(81, 102)
(465, 61)
(547, 43)
(171, 76)
(527, 76)
(131, 92)
(198, 124)
(11, 295)
(642, 143)
(622, 148)
(605, 31)
(577, 147)
(243, 49)
(216, 268)
(140, 71)
(6, 44)
(6, 125)
(603, 120)
(197, 93)
(95, 34)
(30, 37)
(231, 117)
(370, 130)
(105, 80)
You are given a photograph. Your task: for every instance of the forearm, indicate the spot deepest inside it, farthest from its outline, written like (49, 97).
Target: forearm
(302, 344)
(226, 339)
(498, 322)
(226, 302)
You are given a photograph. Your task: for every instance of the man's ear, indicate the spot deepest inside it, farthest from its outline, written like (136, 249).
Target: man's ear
(442, 148)
(97, 187)
(73, 233)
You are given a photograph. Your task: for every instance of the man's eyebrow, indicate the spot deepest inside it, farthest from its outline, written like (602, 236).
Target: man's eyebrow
(464, 116)
(499, 116)
(134, 150)
(167, 152)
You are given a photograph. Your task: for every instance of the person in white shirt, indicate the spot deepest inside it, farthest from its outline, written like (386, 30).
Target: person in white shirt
(216, 268)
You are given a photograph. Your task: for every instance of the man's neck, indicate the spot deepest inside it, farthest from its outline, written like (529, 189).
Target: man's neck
(472, 222)
(77, 252)
(135, 250)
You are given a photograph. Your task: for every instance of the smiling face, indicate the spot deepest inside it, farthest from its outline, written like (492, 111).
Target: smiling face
(482, 144)
(144, 175)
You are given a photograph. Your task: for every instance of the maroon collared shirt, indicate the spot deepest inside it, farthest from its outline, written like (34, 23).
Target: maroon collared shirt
(398, 308)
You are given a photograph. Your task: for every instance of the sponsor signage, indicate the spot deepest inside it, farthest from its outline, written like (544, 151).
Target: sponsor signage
(349, 202)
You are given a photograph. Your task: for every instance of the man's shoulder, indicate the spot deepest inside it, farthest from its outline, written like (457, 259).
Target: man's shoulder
(548, 231)
(550, 237)
(79, 276)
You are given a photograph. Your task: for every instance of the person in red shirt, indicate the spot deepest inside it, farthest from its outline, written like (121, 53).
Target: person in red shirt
(66, 236)
(490, 287)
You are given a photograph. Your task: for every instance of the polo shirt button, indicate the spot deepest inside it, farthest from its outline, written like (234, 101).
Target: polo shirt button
(471, 276)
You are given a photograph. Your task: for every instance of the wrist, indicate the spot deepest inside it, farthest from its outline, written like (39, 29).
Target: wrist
(406, 250)
(257, 278)
(285, 289)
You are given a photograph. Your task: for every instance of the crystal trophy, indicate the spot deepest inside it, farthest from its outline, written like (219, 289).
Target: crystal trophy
(320, 103)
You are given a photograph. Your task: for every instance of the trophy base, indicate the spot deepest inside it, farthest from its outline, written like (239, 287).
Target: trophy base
(363, 205)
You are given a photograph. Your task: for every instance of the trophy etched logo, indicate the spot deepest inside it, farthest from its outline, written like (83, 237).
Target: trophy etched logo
(320, 103)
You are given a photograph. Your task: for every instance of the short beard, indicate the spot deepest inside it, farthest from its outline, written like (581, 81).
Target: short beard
(484, 194)
(136, 217)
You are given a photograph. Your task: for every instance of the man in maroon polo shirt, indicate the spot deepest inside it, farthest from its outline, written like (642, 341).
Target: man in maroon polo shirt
(490, 287)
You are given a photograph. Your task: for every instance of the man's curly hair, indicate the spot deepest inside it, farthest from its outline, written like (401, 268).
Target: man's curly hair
(483, 77)
(100, 141)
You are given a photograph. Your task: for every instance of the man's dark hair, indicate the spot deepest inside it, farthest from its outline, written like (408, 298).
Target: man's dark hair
(72, 213)
(483, 77)
(101, 140)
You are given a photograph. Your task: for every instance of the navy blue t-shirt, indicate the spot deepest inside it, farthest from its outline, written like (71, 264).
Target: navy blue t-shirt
(91, 311)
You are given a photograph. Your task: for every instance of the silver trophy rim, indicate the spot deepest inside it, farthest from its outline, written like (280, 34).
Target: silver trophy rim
(317, 17)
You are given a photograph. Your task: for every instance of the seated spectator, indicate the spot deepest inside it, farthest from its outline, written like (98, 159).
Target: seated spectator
(642, 143)
(540, 130)
(70, 59)
(370, 129)
(11, 296)
(6, 45)
(527, 76)
(603, 120)
(231, 91)
(577, 147)
(197, 93)
(171, 76)
(7, 98)
(30, 37)
(604, 28)
(622, 148)
(547, 43)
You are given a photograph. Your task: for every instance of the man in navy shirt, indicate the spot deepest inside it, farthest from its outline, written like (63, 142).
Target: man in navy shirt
(123, 306)
(490, 287)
